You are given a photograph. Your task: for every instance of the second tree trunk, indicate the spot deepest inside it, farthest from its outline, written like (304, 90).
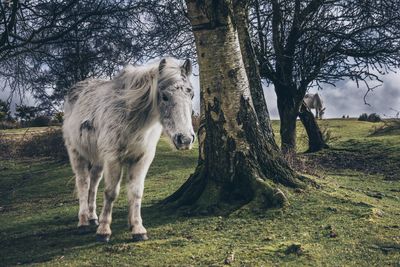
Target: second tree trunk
(316, 140)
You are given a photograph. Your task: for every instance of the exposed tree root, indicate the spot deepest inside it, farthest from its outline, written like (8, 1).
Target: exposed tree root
(202, 195)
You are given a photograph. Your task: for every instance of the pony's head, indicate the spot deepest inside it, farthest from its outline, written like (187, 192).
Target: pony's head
(175, 94)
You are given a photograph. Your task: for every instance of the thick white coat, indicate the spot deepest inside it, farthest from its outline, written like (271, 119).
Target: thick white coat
(114, 125)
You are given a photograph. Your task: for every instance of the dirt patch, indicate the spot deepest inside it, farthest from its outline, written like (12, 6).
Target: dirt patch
(369, 162)
(389, 127)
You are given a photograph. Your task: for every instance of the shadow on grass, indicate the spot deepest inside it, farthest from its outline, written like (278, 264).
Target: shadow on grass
(31, 243)
(42, 240)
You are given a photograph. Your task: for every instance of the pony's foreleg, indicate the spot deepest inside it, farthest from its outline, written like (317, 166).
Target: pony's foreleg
(136, 175)
(80, 167)
(95, 175)
(112, 179)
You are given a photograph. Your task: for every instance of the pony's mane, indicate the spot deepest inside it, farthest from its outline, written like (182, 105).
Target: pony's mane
(138, 86)
(131, 95)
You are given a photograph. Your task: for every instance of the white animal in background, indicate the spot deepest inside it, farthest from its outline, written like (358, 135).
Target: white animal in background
(314, 101)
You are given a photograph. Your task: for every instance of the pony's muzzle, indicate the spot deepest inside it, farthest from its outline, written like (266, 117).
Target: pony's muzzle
(182, 141)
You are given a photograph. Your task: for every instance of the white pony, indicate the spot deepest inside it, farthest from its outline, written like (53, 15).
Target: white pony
(314, 101)
(114, 124)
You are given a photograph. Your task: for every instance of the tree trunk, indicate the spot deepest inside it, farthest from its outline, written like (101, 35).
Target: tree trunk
(316, 141)
(288, 111)
(251, 66)
(237, 165)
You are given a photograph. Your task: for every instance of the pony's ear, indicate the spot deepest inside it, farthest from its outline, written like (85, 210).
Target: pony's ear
(163, 62)
(187, 67)
(323, 109)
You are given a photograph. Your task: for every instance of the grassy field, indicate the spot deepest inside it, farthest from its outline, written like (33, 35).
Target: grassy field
(351, 219)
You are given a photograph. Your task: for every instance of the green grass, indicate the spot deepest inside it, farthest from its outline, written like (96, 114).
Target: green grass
(19, 133)
(361, 206)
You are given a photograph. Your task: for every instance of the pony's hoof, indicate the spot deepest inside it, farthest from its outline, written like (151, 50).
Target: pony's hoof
(139, 237)
(83, 229)
(103, 238)
(94, 222)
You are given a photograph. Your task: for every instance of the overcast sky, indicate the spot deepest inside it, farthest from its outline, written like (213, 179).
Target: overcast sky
(344, 99)
(27, 100)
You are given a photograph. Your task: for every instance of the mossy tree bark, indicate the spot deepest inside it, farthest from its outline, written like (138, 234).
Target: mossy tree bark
(316, 140)
(237, 165)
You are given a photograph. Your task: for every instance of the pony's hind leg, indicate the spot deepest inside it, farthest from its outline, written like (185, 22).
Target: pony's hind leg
(112, 179)
(80, 167)
(95, 177)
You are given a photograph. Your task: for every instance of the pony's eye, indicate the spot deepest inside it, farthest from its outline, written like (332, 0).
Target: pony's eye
(164, 97)
(188, 90)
